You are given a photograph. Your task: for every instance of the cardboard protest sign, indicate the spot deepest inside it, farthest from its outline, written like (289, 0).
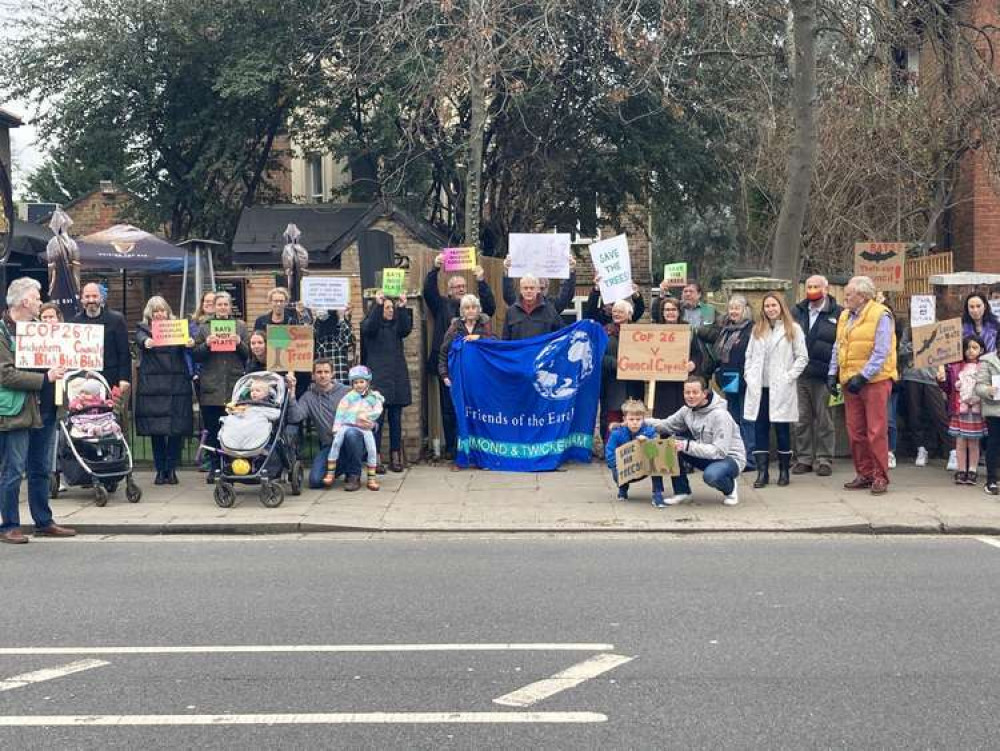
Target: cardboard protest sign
(393, 282)
(637, 459)
(653, 352)
(170, 333)
(937, 344)
(225, 336)
(290, 348)
(545, 256)
(883, 262)
(460, 259)
(326, 292)
(613, 264)
(675, 274)
(923, 309)
(73, 346)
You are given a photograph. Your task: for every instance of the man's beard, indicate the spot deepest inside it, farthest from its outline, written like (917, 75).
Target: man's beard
(93, 309)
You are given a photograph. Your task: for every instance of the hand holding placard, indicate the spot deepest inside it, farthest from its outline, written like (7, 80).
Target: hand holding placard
(459, 259)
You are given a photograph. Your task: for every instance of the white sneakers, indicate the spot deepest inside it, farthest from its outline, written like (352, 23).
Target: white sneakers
(677, 498)
(892, 460)
(733, 498)
(953, 461)
(921, 457)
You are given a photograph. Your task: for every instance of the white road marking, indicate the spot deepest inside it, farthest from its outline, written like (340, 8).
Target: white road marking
(37, 676)
(305, 648)
(568, 678)
(995, 542)
(335, 718)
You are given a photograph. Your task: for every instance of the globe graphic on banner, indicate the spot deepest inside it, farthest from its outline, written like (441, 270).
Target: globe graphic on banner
(562, 365)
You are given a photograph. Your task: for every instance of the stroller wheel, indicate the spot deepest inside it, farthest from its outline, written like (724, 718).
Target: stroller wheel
(225, 495)
(54, 485)
(100, 496)
(272, 494)
(295, 477)
(133, 493)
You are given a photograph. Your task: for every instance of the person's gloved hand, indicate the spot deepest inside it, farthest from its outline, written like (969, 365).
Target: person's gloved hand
(854, 385)
(832, 385)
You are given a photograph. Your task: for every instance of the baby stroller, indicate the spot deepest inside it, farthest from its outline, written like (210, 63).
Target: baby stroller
(253, 447)
(91, 450)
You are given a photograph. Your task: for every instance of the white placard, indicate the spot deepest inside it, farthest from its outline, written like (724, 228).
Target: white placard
(613, 265)
(42, 346)
(326, 292)
(922, 310)
(545, 256)
(995, 307)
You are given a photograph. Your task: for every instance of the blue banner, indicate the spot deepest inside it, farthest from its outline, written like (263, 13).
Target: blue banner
(529, 405)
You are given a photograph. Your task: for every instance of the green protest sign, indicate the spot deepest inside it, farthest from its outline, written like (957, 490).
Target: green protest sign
(225, 336)
(393, 282)
(675, 274)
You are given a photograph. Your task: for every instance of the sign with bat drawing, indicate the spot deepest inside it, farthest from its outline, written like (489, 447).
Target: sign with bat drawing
(937, 344)
(883, 262)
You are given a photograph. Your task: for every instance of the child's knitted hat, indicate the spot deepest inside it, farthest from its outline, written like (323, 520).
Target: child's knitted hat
(359, 373)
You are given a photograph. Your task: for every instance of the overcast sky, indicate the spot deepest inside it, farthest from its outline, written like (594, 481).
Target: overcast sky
(26, 152)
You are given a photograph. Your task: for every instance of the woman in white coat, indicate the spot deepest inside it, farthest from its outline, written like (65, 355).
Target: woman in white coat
(776, 356)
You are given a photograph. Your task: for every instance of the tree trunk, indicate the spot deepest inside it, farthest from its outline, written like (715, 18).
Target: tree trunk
(477, 127)
(786, 254)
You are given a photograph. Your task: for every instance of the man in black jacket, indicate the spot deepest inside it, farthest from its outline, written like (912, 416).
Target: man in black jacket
(443, 310)
(117, 359)
(814, 434)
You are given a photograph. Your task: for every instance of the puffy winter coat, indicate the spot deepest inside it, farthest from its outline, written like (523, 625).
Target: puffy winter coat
(821, 337)
(785, 360)
(163, 400)
(382, 349)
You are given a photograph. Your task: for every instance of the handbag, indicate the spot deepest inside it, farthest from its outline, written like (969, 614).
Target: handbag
(11, 400)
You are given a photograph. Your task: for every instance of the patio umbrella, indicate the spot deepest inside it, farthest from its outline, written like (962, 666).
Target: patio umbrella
(127, 248)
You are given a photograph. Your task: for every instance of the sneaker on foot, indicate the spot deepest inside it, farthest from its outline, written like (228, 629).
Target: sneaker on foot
(952, 461)
(921, 457)
(622, 494)
(658, 501)
(991, 488)
(678, 498)
(733, 498)
(892, 460)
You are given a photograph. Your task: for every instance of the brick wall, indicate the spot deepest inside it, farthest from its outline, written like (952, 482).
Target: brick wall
(635, 226)
(97, 211)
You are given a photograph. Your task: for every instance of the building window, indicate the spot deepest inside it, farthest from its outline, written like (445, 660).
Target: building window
(314, 172)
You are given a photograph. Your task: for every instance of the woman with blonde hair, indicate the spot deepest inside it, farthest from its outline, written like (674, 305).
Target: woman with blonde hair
(775, 358)
(163, 404)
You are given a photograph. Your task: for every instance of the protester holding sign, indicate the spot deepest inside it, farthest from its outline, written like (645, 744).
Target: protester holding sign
(163, 405)
(776, 357)
(281, 313)
(27, 427)
(693, 310)
(117, 370)
(815, 436)
(731, 350)
(567, 287)
(708, 439)
(632, 412)
(219, 369)
(472, 324)
(863, 363)
(670, 394)
(926, 407)
(333, 340)
(385, 327)
(533, 314)
(966, 426)
(597, 310)
(616, 392)
(978, 320)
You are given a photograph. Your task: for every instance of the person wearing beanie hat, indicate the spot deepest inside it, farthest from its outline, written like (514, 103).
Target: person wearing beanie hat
(361, 405)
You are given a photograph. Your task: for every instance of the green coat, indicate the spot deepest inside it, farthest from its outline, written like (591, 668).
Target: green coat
(989, 366)
(19, 380)
(219, 370)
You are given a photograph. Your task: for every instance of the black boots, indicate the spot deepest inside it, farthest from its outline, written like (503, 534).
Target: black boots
(761, 460)
(784, 463)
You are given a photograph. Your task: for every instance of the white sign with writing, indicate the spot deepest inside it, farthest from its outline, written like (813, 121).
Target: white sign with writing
(326, 292)
(923, 310)
(995, 307)
(545, 256)
(59, 345)
(613, 265)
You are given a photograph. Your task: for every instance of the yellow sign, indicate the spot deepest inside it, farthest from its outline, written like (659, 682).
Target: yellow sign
(170, 333)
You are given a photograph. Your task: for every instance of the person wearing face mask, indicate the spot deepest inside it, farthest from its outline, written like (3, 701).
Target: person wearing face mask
(117, 358)
(815, 436)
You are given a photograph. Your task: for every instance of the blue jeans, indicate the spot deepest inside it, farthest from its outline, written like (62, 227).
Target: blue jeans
(349, 463)
(26, 451)
(657, 482)
(893, 403)
(734, 402)
(720, 474)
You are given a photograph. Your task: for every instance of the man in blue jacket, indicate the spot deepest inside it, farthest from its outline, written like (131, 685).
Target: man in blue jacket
(815, 436)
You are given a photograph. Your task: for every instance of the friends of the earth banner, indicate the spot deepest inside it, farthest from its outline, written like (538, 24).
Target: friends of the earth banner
(529, 405)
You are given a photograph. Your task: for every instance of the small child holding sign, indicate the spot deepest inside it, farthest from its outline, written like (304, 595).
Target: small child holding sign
(633, 413)
(965, 408)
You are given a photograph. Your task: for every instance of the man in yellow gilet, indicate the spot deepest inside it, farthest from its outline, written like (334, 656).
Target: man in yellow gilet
(864, 365)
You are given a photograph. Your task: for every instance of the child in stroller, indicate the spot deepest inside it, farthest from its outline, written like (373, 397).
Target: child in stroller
(91, 411)
(361, 403)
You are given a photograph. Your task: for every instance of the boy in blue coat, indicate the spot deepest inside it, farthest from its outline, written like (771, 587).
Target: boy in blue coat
(633, 413)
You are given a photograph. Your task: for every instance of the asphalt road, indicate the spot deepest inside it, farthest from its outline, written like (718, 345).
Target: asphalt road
(737, 643)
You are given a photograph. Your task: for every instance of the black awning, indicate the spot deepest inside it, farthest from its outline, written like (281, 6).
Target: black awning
(259, 237)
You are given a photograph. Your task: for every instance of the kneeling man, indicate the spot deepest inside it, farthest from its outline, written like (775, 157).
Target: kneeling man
(708, 439)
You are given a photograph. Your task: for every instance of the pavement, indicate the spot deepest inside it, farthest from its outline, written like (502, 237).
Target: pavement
(581, 499)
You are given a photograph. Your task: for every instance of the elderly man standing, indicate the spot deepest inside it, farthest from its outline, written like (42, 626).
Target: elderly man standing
(443, 311)
(864, 364)
(25, 439)
(117, 359)
(815, 437)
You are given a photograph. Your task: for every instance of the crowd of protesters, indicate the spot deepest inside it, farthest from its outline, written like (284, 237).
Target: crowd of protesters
(773, 373)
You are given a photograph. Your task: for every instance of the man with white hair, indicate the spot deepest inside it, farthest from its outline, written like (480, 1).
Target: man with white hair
(863, 363)
(815, 437)
(532, 314)
(117, 358)
(25, 438)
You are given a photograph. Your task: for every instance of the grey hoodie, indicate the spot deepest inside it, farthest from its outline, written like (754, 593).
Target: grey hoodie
(989, 366)
(320, 407)
(713, 432)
